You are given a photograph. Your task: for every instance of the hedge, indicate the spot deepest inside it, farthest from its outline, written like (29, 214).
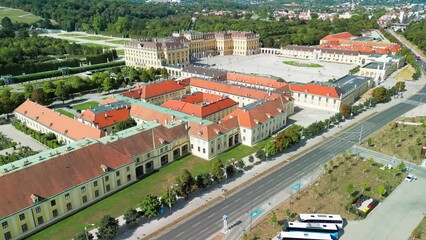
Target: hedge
(45, 139)
(57, 73)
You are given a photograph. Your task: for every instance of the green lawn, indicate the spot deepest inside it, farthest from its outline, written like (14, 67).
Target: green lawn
(120, 51)
(94, 38)
(71, 35)
(119, 41)
(95, 45)
(86, 105)
(154, 184)
(68, 114)
(299, 64)
(17, 15)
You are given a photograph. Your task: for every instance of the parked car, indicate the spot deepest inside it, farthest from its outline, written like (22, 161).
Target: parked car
(410, 178)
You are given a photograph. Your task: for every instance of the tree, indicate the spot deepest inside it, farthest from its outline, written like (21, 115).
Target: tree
(169, 197)
(62, 92)
(6, 22)
(315, 190)
(128, 123)
(217, 170)
(28, 90)
(270, 148)
(350, 189)
(418, 141)
(370, 142)
(260, 154)
(241, 164)
(345, 110)
(401, 166)
(395, 172)
(107, 84)
(230, 171)
(380, 94)
(274, 219)
(381, 190)
(185, 184)
(203, 180)
(122, 25)
(150, 206)
(39, 96)
(288, 213)
(108, 228)
(82, 236)
(251, 158)
(131, 217)
(400, 86)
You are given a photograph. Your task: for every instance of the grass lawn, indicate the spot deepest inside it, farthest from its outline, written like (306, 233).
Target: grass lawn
(17, 15)
(68, 114)
(94, 38)
(71, 35)
(406, 73)
(120, 52)
(119, 41)
(400, 141)
(329, 193)
(129, 197)
(299, 64)
(86, 105)
(95, 45)
(419, 232)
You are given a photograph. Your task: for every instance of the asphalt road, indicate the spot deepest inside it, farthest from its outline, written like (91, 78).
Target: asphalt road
(208, 222)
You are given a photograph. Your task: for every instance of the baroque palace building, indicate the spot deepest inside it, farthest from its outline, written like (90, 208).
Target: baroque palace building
(177, 50)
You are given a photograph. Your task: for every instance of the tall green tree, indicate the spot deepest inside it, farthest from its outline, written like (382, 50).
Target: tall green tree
(217, 170)
(185, 184)
(108, 228)
(150, 206)
(131, 216)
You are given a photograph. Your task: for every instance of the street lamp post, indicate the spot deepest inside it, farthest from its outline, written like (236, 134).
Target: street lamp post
(86, 232)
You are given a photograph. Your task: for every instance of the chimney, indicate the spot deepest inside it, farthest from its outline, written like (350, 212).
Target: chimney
(106, 115)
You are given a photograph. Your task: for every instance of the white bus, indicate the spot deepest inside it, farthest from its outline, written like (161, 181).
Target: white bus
(323, 228)
(302, 236)
(322, 218)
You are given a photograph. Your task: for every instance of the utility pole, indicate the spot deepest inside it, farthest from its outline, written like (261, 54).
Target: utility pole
(359, 140)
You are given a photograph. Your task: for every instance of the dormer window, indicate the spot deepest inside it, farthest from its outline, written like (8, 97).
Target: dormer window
(34, 198)
(104, 168)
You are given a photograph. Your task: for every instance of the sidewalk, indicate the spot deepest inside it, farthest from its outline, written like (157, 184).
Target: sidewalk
(200, 199)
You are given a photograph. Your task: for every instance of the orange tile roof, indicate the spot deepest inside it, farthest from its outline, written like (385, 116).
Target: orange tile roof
(148, 140)
(108, 100)
(154, 89)
(333, 92)
(234, 90)
(259, 81)
(250, 118)
(108, 118)
(57, 122)
(337, 36)
(206, 108)
(150, 114)
(207, 132)
(55, 176)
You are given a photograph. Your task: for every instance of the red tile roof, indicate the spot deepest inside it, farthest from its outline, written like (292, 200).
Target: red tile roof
(207, 132)
(148, 140)
(250, 118)
(333, 92)
(57, 122)
(107, 118)
(154, 89)
(337, 36)
(209, 105)
(234, 90)
(259, 81)
(108, 100)
(55, 176)
(150, 114)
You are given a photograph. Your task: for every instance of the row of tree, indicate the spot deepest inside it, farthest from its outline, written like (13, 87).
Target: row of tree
(22, 152)
(415, 32)
(48, 139)
(150, 206)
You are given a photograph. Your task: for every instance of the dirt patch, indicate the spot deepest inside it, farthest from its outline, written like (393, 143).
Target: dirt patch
(402, 141)
(218, 236)
(330, 193)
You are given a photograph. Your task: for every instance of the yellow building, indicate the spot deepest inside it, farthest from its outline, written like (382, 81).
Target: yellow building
(178, 50)
(156, 53)
(54, 184)
(151, 145)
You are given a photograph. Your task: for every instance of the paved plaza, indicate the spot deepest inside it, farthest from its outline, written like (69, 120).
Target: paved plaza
(264, 64)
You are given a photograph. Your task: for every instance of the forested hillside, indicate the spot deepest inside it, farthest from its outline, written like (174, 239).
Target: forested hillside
(416, 33)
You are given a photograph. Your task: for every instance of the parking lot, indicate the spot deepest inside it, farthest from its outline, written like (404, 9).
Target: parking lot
(264, 64)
